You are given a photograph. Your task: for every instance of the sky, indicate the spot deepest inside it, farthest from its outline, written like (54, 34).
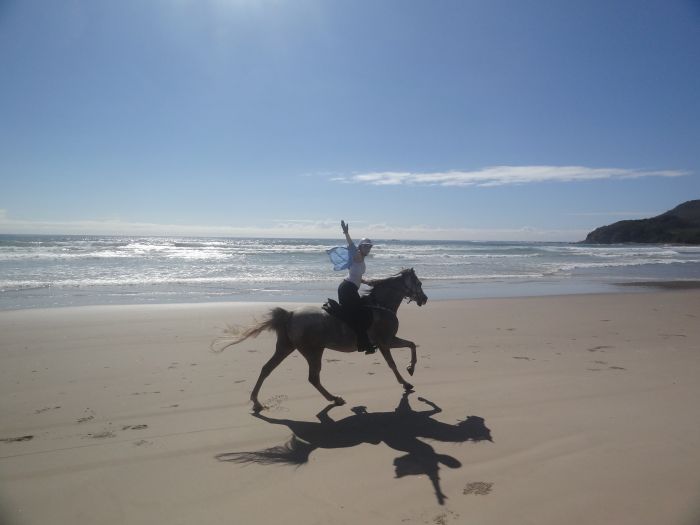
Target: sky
(410, 119)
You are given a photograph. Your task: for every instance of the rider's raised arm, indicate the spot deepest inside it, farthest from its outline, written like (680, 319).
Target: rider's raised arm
(346, 228)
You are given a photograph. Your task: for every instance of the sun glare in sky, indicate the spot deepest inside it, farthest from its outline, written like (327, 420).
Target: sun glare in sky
(457, 118)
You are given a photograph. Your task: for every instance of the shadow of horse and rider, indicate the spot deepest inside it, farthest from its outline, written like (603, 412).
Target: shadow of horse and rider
(400, 430)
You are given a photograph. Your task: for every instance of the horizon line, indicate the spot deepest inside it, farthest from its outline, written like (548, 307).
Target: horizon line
(375, 241)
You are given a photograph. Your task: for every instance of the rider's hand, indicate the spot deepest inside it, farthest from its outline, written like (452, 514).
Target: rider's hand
(344, 226)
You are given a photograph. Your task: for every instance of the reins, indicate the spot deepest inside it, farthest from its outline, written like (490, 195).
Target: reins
(393, 284)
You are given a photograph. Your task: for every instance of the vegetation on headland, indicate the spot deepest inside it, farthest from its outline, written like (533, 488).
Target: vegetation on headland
(681, 225)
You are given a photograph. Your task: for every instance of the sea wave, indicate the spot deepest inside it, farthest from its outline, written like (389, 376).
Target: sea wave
(620, 264)
(438, 256)
(182, 267)
(6, 285)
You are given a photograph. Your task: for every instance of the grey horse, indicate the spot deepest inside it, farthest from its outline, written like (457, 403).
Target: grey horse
(311, 330)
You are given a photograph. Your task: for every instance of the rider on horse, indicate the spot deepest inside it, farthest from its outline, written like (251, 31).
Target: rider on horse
(349, 291)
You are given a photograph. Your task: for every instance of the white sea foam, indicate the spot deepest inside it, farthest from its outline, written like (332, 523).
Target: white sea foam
(184, 268)
(622, 264)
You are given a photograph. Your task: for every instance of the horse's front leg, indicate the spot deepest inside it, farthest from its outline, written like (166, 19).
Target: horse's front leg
(386, 352)
(397, 342)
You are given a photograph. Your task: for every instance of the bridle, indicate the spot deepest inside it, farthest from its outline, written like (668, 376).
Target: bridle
(409, 292)
(413, 293)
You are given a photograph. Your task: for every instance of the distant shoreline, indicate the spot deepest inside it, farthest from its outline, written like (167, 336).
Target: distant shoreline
(665, 285)
(528, 292)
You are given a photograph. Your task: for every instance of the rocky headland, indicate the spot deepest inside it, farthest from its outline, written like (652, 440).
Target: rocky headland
(681, 225)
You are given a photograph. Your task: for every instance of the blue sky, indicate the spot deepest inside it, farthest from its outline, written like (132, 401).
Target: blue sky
(485, 120)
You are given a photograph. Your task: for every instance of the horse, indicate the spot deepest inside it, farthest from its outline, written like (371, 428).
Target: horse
(311, 330)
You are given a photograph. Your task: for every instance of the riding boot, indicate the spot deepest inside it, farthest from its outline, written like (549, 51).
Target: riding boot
(364, 344)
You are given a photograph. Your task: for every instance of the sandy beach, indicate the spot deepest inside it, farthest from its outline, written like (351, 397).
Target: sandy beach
(575, 409)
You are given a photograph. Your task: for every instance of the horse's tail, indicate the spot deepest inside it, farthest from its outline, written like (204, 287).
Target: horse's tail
(276, 320)
(294, 452)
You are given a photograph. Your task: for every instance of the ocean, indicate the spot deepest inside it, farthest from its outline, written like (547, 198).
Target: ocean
(54, 271)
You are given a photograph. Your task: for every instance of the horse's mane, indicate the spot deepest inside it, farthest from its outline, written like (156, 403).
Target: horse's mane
(378, 284)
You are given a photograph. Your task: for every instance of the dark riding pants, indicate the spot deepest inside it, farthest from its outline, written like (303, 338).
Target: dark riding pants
(349, 298)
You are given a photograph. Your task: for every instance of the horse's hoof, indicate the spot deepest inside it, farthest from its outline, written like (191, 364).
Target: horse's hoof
(338, 401)
(408, 387)
(257, 408)
(410, 369)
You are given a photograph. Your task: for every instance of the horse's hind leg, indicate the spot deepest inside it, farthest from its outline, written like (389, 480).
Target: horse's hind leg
(386, 352)
(313, 357)
(282, 350)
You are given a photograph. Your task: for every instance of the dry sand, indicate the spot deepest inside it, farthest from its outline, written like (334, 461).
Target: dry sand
(572, 409)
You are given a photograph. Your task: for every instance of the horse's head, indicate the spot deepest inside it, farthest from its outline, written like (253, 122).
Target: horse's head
(414, 288)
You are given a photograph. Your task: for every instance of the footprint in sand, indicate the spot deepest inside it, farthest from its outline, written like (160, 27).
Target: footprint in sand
(16, 439)
(478, 488)
(596, 348)
(102, 435)
(443, 518)
(90, 416)
(601, 369)
(440, 519)
(134, 427)
(275, 402)
(45, 409)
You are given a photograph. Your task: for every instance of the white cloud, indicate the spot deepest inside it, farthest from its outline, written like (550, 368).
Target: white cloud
(503, 175)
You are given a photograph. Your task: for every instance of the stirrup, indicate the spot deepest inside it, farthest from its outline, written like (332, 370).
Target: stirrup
(367, 349)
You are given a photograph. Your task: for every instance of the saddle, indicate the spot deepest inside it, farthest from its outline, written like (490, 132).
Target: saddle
(336, 310)
(333, 308)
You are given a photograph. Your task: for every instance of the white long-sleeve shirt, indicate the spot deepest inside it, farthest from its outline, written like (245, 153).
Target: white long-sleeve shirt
(356, 269)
